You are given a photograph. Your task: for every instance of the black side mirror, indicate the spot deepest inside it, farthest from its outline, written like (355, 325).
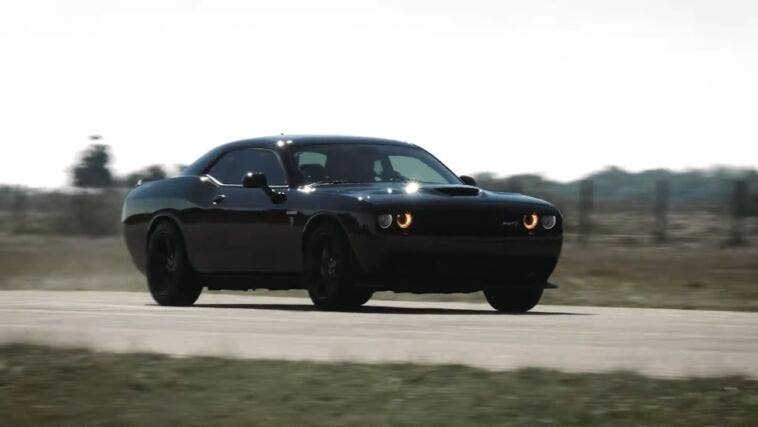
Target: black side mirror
(468, 180)
(255, 180)
(258, 180)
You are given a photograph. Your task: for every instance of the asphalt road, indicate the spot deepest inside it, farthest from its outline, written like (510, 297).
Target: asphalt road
(577, 339)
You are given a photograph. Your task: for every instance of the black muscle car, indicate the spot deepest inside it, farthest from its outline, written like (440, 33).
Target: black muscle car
(342, 217)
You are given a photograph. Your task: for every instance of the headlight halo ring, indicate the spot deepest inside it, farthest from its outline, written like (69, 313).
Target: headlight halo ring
(549, 221)
(530, 221)
(384, 221)
(404, 220)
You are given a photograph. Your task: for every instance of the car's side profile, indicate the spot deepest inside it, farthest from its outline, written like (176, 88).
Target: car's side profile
(342, 217)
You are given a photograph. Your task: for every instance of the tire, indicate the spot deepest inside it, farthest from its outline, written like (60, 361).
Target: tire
(330, 271)
(513, 300)
(170, 277)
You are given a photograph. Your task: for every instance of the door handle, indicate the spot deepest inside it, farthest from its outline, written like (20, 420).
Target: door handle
(218, 199)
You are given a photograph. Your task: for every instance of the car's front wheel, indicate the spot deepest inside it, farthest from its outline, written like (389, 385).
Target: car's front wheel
(329, 271)
(170, 277)
(513, 300)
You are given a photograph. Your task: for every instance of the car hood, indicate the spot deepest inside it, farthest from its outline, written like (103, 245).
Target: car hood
(433, 195)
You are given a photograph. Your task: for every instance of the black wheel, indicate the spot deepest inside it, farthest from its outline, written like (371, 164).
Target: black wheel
(170, 277)
(513, 300)
(329, 271)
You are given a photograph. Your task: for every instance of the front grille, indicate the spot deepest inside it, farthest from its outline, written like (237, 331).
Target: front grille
(479, 222)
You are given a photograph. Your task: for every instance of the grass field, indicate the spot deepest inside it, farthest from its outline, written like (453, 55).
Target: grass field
(608, 272)
(43, 386)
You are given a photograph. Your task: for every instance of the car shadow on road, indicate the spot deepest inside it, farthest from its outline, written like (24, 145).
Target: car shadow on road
(379, 309)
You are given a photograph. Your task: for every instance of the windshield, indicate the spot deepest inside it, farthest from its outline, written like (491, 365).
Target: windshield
(361, 163)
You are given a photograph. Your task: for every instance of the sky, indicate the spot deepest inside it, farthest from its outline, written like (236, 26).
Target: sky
(561, 88)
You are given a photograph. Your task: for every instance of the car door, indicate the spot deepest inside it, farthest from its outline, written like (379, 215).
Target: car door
(242, 227)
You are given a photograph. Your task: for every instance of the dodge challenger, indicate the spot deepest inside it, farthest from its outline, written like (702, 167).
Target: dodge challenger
(342, 217)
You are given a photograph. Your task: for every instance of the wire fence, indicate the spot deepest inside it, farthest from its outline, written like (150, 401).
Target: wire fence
(656, 218)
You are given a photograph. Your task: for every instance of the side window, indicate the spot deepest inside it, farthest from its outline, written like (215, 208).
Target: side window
(311, 165)
(231, 168)
(310, 158)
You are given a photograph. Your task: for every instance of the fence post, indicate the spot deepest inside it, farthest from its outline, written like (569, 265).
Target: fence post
(585, 210)
(661, 209)
(739, 212)
(19, 208)
(80, 212)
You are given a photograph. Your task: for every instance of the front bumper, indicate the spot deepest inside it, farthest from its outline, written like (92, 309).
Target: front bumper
(455, 264)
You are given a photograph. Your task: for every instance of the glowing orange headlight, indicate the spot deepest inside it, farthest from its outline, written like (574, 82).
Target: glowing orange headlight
(531, 221)
(404, 220)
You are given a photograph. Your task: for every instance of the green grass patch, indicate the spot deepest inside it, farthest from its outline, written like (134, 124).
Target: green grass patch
(43, 386)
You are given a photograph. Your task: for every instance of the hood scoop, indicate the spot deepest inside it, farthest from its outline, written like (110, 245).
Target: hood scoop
(458, 191)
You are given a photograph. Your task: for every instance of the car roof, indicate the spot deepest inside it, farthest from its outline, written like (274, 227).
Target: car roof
(276, 141)
(272, 141)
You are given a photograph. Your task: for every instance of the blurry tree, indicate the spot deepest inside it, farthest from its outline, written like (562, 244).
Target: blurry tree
(614, 185)
(515, 185)
(91, 210)
(93, 171)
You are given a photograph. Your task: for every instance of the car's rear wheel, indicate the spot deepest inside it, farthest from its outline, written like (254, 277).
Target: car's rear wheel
(330, 271)
(513, 300)
(170, 277)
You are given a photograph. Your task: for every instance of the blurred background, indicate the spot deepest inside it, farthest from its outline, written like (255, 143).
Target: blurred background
(637, 119)
(654, 238)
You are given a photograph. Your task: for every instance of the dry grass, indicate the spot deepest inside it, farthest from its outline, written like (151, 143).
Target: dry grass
(66, 263)
(612, 273)
(677, 275)
(44, 386)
